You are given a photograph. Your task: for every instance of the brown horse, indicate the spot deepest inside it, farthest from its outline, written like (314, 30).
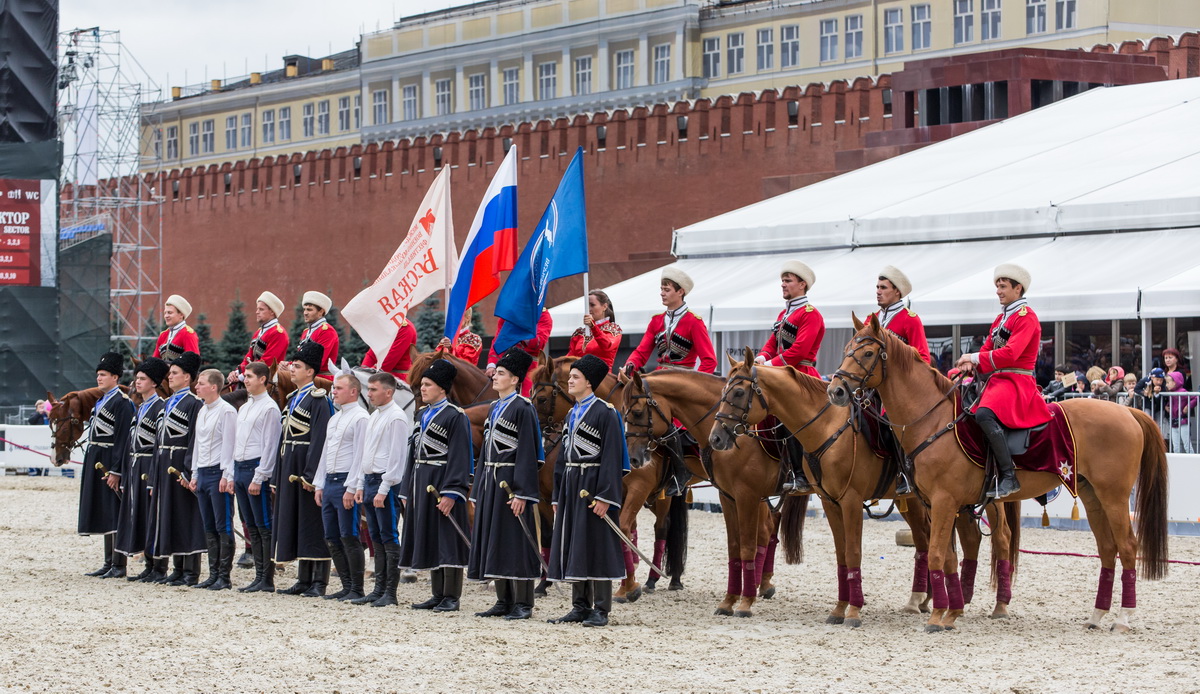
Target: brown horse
(1119, 449)
(68, 419)
(849, 475)
(745, 476)
(471, 386)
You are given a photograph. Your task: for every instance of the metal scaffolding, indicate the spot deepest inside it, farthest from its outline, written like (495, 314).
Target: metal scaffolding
(109, 130)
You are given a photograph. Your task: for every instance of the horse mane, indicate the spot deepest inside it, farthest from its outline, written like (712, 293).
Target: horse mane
(674, 370)
(911, 360)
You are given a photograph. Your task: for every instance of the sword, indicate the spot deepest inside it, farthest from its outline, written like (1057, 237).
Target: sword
(297, 478)
(537, 550)
(177, 473)
(104, 475)
(453, 522)
(583, 494)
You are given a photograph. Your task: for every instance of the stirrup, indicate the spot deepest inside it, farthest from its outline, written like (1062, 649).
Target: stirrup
(902, 484)
(795, 484)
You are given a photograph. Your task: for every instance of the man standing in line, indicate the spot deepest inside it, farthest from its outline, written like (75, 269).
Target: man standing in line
(343, 446)
(254, 457)
(107, 447)
(135, 522)
(178, 529)
(212, 477)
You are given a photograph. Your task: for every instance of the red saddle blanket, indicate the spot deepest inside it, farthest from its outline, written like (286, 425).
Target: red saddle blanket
(1050, 450)
(766, 436)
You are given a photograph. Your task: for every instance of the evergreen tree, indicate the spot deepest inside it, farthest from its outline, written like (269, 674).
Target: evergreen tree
(429, 321)
(236, 339)
(353, 347)
(208, 348)
(298, 326)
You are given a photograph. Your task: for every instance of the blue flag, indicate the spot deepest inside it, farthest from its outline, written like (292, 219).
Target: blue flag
(558, 249)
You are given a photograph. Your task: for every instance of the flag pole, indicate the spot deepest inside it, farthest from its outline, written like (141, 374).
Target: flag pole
(450, 249)
(587, 306)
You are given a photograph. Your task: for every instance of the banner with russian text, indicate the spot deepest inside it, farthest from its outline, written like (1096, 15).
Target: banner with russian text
(418, 268)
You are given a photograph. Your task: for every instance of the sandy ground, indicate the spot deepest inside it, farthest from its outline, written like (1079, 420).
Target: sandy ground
(64, 632)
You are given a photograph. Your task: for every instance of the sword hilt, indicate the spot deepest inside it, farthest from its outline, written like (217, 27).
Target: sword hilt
(505, 487)
(293, 478)
(143, 476)
(433, 490)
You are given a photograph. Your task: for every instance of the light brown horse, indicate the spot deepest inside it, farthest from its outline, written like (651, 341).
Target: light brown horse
(472, 385)
(745, 477)
(849, 474)
(1118, 450)
(68, 419)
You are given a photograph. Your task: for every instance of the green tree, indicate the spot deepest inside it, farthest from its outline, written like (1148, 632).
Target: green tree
(208, 348)
(353, 347)
(429, 321)
(298, 326)
(236, 339)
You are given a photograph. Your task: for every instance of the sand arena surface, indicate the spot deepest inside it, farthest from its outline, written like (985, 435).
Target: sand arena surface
(65, 632)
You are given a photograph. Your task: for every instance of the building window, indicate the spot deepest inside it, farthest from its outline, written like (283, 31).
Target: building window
(408, 101)
(736, 53)
(989, 19)
(922, 27)
(1035, 16)
(357, 111)
(712, 57)
(441, 97)
(789, 46)
(231, 132)
(193, 139)
(893, 31)
(766, 50)
(547, 81)
(512, 86)
(583, 76)
(964, 21)
(379, 107)
(158, 140)
(307, 120)
(208, 137)
(624, 69)
(323, 117)
(285, 123)
(247, 130)
(1064, 14)
(477, 91)
(172, 142)
(344, 113)
(268, 126)
(854, 36)
(829, 40)
(662, 63)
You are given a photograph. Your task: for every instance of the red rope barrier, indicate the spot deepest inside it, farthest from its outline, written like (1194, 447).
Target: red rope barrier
(1097, 556)
(27, 448)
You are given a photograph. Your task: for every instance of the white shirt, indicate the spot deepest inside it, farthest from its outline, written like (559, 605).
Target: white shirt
(258, 428)
(385, 449)
(343, 443)
(216, 432)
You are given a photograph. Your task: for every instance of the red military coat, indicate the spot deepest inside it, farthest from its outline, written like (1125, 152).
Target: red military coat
(1012, 346)
(467, 346)
(269, 345)
(604, 340)
(796, 338)
(184, 340)
(907, 326)
(534, 347)
(323, 334)
(397, 362)
(687, 344)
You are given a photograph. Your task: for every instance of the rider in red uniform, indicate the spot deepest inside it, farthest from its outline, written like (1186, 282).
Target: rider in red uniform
(179, 336)
(794, 341)
(398, 361)
(534, 347)
(316, 305)
(680, 339)
(600, 335)
(466, 344)
(270, 342)
(1010, 398)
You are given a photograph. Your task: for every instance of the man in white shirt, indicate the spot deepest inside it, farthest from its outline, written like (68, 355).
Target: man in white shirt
(375, 478)
(256, 448)
(212, 476)
(342, 450)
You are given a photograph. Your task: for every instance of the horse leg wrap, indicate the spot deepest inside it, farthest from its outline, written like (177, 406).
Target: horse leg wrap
(1129, 588)
(854, 586)
(1003, 581)
(769, 564)
(760, 560)
(954, 592)
(749, 579)
(630, 561)
(545, 558)
(1105, 588)
(921, 573)
(969, 567)
(937, 586)
(660, 548)
(734, 584)
(843, 584)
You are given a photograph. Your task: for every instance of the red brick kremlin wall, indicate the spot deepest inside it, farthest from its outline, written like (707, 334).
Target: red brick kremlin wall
(334, 228)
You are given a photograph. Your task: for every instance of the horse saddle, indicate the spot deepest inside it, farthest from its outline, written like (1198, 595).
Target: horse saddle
(1018, 439)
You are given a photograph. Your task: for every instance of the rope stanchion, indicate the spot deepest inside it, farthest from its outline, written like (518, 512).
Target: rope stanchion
(1097, 556)
(27, 448)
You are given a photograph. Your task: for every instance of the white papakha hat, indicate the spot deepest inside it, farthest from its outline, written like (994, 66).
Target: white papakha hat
(684, 280)
(180, 303)
(1014, 272)
(800, 270)
(317, 299)
(273, 302)
(897, 278)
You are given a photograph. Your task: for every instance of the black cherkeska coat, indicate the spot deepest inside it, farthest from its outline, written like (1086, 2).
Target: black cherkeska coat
(439, 454)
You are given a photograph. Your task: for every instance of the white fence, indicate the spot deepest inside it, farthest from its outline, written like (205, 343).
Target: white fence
(36, 437)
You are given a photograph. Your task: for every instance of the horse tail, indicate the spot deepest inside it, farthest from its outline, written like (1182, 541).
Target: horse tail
(1151, 490)
(1012, 515)
(791, 527)
(677, 538)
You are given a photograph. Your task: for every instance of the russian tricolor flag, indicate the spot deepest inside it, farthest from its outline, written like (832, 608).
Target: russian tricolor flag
(491, 245)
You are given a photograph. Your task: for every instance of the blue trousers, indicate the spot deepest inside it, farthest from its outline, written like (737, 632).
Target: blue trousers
(382, 523)
(255, 510)
(216, 508)
(339, 521)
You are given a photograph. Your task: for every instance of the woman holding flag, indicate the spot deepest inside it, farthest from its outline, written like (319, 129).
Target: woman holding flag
(600, 334)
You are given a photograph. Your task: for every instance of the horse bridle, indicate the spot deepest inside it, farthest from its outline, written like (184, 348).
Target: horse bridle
(742, 426)
(652, 441)
(553, 426)
(861, 342)
(56, 424)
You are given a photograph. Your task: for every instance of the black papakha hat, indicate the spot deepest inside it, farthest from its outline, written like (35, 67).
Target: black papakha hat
(155, 369)
(593, 369)
(516, 361)
(442, 372)
(113, 363)
(190, 363)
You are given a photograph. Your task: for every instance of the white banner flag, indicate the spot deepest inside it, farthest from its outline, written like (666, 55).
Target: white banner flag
(419, 267)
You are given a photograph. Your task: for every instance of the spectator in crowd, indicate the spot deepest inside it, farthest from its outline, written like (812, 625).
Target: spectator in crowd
(1054, 389)
(40, 416)
(1154, 402)
(1178, 408)
(1129, 394)
(1172, 362)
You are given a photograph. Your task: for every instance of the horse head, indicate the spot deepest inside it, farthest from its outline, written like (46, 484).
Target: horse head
(864, 365)
(66, 426)
(742, 403)
(549, 395)
(648, 421)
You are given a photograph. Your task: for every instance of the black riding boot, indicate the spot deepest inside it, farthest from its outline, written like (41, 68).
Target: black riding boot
(108, 553)
(795, 481)
(452, 588)
(119, 562)
(175, 578)
(522, 595)
(1006, 482)
(256, 553)
(304, 578)
(337, 555)
(680, 475)
(268, 557)
(437, 584)
(160, 571)
(601, 604)
(213, 541)
(581, 603)
(504, 600)
(391, 553)
(191, 569)
(356, 564)
(380, 579)
(146, 572)
(224, 563)
(320, 573)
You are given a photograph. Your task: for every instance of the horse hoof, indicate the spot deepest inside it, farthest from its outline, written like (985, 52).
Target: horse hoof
(768, 593)
(634, 594)
(853, 623)
(620, 599)
(933, 628)
(723, 612)
(1121, 628)
(831, 619)
(1092, 627)
(650, 586)
(1002, 615)
(744, 614)
(675, 585)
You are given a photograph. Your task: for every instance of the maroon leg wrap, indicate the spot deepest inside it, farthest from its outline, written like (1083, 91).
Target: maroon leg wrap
(969, 567)
(769, 564)
(1129, 588)
(921, 573)
(734, 585)
(1003, 581)
(660, 548)
(954, 592)
(749, 581)
(854, 586)
(1104, 589)
(760, 560)
(843, 586)
(546, 558)
(937, 587)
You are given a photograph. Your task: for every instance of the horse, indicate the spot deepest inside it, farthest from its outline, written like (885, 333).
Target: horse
(471, 386)
(1119, 450)
(845, 471)
(68, 419)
